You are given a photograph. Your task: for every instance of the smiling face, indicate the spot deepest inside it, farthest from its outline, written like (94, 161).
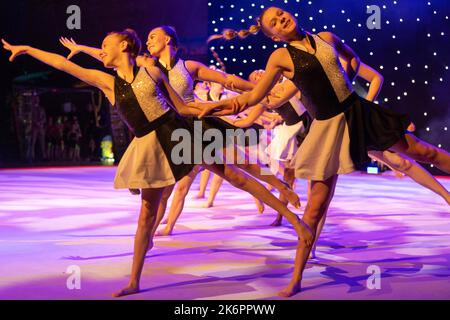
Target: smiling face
(280, 25)
(112, 48)
(157, 41)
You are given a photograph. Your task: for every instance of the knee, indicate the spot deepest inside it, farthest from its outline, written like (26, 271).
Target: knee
(237, 179)
(430, 153)
(147, 216)
(165, 196)
(181, 190)
(314, 211)
(401, 164)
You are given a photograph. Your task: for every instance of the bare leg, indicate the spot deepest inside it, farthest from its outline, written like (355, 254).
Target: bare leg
(422, 151)
(321, 194)
(177, 205)
(412, 169)
(204, 178)
(289, 178)
(259, 205)
(286, 191)
(322, 221)
(244, 182)
(216, 183)
(163, 205)
(143, 241)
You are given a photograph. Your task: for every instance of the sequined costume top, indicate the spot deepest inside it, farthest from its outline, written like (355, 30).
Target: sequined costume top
(180, 79)
(140, 103)
(321, 79)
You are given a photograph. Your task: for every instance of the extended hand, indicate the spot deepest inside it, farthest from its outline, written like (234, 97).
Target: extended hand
(71, 45)
(15, 50)
(206, 108)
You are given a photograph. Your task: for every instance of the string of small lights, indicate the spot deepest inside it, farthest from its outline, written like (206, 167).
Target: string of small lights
(410, 49)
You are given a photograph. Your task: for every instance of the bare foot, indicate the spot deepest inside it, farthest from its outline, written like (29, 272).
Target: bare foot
(291, 196)
(208, 204)
(167, 231)
(292, 289)
(126, 291)
(259, 205)
(277, 222)
(199, 196)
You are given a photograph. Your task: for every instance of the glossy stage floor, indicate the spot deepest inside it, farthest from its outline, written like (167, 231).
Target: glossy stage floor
(55, 218)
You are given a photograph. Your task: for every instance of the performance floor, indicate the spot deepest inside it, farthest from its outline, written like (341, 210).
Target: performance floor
(52, 219)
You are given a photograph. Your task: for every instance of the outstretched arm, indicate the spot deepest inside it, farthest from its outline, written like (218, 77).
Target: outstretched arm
(238, 104)
(231, 82)
(182, 108)
(285, 91)
(76, 48)
(251, 117)
(101, 80)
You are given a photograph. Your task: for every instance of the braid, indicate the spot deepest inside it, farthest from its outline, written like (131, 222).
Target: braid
(229, 34)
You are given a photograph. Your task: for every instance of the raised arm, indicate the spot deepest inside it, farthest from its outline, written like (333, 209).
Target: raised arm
(231, 82)
(101, 80)
(76, 48)
(344, 51)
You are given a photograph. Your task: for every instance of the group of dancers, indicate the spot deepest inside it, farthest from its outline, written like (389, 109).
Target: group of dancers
(326, 129)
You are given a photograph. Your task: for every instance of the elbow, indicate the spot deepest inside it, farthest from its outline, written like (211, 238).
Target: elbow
(380, 79)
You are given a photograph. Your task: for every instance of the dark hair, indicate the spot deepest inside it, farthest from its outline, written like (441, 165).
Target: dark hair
(134, 44)
(172, 34)
(229, 34)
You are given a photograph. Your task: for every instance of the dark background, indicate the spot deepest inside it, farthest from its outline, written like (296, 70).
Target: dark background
(414, 63)
(40, 23)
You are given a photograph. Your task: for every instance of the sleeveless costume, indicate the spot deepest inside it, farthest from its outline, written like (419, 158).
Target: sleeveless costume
(345, 125)
(147, 162)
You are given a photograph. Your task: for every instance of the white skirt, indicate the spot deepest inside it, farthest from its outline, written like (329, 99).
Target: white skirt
(284, 144)
(325, 150)
(144, 165)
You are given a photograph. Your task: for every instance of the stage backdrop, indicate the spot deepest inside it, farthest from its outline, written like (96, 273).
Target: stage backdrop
(41, 22)
(409, 47)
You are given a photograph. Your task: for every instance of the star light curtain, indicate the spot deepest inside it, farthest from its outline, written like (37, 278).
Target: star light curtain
(411, 49)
